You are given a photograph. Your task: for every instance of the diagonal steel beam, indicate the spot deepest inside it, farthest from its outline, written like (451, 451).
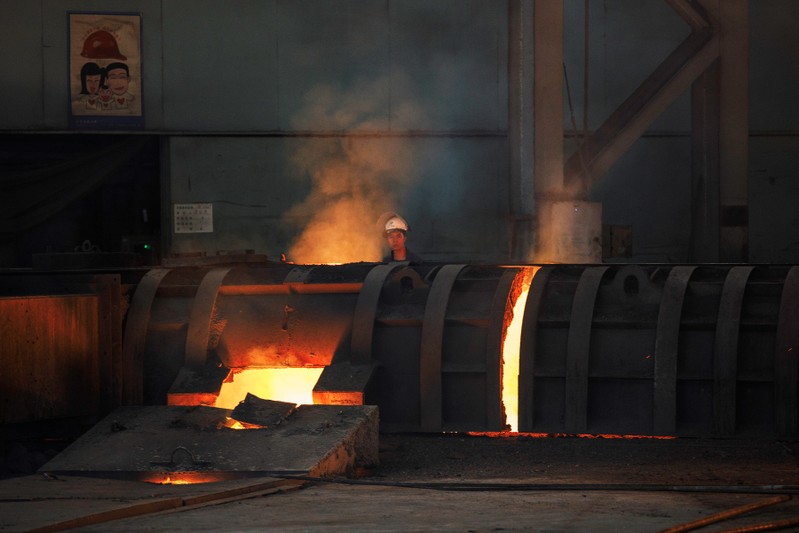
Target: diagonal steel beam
(689, 13)
(662, 87)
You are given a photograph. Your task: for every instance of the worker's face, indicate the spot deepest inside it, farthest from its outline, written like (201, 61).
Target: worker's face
(396, 240)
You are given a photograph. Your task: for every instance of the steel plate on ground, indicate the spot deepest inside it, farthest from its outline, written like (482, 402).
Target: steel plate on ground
(144, 442)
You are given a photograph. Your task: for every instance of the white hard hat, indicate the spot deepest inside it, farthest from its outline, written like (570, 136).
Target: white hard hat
(396, 223)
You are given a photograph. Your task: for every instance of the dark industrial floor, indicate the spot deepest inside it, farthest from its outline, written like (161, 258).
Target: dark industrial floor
(452, 482)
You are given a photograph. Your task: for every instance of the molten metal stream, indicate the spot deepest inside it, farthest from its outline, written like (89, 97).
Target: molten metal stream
(512, 345)
(295, 385)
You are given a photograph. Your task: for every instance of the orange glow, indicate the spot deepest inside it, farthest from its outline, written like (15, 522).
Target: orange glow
(185, 478)
(293, 385)
(233, 424)
(176, 481)
(566, 435)
(352, 181)
(337, 233)
(190, 398)
(514, 316)
(338, 397)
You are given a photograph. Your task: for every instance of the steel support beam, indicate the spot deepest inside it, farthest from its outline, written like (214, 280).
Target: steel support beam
(521, 200)
(733, 16)
(629, 121)
(704, 234)
(548, 99)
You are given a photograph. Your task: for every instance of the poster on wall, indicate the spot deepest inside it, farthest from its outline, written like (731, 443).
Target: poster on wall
(105, 71)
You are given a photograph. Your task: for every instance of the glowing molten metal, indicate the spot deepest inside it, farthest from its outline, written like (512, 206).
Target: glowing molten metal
(294, 385)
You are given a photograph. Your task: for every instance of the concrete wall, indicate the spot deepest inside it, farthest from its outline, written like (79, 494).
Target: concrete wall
(277, 111)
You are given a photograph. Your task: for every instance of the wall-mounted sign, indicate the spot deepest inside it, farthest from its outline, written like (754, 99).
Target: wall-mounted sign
(105, 71)
(194, 218)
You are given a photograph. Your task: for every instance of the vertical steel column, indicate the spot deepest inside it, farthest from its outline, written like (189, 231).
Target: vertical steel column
(520, 128)
(548, 97)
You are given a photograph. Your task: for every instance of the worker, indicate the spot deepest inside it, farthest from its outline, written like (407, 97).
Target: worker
(395, 231)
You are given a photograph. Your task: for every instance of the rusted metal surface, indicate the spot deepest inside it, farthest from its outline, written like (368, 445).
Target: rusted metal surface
(60, 345)
(34, 384)
(301, 326)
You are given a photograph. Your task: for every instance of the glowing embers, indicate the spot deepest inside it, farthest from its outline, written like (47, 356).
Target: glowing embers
(230, 423)
(185, 478)
(293, 385)
(514, 317)
(176, 481)
(569, 435)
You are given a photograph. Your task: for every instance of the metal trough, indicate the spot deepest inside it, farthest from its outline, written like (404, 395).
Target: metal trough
(685, 350)
(423, 343)
(692, 350)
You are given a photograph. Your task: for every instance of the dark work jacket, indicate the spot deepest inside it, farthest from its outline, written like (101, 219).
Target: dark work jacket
(410, 257)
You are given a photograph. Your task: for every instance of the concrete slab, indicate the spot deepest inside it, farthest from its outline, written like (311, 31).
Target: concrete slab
(155, 442)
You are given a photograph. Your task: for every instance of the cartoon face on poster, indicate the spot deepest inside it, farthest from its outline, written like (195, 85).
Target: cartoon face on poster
(105, 72)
